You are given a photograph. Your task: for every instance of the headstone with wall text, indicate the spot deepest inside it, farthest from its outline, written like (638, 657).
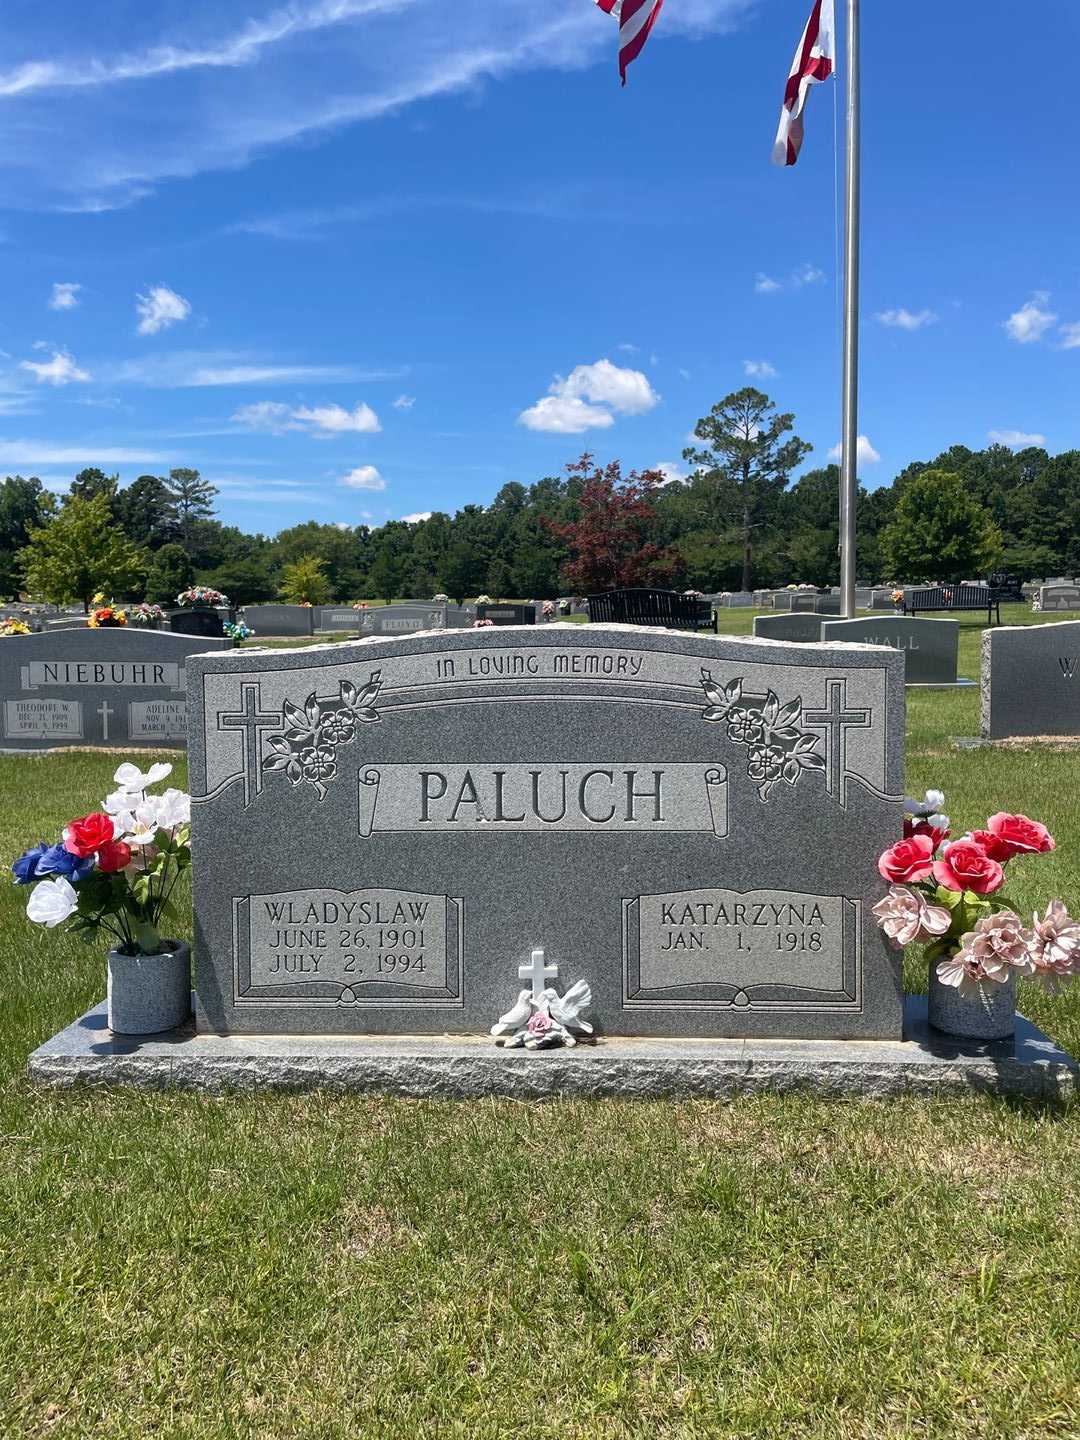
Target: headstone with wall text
(385, 830)
(930, 647)
(1031, 680)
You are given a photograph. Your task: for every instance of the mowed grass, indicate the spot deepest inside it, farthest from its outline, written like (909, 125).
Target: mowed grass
(335, 1266)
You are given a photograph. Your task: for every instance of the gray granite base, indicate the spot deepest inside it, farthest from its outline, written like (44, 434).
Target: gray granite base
(925, 1062)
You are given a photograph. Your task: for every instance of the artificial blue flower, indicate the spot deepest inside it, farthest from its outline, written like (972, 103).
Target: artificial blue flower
(25, 868)
(58, 861)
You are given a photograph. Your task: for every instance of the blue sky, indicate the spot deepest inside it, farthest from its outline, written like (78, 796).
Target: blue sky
(362, 259)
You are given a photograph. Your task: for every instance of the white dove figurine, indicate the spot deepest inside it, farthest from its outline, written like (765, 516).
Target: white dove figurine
(517, 1017)
(566, 1009)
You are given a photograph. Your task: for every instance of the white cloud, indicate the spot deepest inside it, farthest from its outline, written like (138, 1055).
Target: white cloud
(1015, 439)
(671, 470)
(807, 275)
(182, 369)
(364, 477)
(404, 402)
(685, 374)
(416, 518)
(758, 369)
(321, 421)
(325, 420)
(765, 284)
(628, 348)
(372, 57)
(269, 415)
(905, 319)
(589, 398)
(159, 308)
(1071, 332)
(865, 454)
(60, 370)
(65, 295)
(565, 415)
(43, 452)
(1031, 321)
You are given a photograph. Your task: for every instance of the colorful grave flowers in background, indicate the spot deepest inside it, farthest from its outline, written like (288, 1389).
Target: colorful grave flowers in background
(201, 597)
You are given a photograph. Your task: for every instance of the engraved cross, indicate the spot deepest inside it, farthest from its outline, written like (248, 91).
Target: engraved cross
(251, 721)
(537, 972)
(836, 720)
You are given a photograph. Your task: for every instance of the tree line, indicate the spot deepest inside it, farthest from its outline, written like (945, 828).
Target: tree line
(737, 521)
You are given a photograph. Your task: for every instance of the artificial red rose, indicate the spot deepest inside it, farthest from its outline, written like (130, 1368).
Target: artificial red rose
(923, 827)
(84, 837)
(907, 861)
(1019, 835)
(113, 855)
(989, 842)
(965, 865)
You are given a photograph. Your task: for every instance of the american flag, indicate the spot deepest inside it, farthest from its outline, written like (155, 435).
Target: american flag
(814, 61)
(636, 18)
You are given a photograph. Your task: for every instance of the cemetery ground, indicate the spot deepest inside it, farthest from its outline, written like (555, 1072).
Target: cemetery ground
(334, 1265)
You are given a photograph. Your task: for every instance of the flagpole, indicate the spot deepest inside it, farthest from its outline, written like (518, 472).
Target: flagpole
(850, 408)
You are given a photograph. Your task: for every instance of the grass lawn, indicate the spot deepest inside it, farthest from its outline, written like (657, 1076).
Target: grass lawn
(334, 1266)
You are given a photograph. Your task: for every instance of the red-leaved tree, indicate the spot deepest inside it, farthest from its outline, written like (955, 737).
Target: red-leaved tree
(610, 545)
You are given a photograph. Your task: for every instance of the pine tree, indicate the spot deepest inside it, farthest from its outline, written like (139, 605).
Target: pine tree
(193, 500)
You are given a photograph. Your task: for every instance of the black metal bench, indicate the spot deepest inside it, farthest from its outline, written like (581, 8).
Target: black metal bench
(653, 607)
(952, 598)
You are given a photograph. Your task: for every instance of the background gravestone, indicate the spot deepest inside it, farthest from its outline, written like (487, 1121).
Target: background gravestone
(930, 647)
(1059, 597)
(96, 687)
(404, 619)
(798, 628)
(281, 619)
(329, 618)
(197, 622)
(385, 829)
(1031, 680)
(505, 613)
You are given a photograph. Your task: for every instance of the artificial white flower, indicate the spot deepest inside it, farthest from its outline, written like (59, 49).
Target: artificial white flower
(52, 902)
(143, 824)
(121, 802)
(174, 808)
(130, 777)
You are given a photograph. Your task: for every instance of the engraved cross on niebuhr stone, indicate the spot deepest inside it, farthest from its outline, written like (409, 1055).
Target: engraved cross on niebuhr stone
(537, 972)
(836, 719)
(251, 721)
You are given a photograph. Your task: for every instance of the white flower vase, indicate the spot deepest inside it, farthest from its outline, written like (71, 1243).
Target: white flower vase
(988, 1014)
(150, 993)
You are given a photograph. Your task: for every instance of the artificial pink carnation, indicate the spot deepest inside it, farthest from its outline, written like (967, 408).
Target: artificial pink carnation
(908, 919)
(992, 951)
(1054, 943)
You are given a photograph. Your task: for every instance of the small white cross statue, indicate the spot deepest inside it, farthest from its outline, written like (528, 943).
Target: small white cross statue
(105, 710)
(537, 972)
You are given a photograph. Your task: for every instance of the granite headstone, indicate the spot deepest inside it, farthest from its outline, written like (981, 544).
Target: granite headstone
(1031, 680)
(197, 622)
(800, 629)
(930, 647)
(281, 619)
(330, 618)
(404, 619)
(1059, 597)
(505, 613)
(96, 687)
(383, 832)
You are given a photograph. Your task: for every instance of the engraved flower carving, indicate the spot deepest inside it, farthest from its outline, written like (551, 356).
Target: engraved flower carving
(777, 748)
(305, 752)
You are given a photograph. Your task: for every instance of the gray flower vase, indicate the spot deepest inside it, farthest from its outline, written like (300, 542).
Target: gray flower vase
(150, 993)
(988, 1014)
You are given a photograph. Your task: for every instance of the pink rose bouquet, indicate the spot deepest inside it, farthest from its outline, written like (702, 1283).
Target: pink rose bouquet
(947, 894)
